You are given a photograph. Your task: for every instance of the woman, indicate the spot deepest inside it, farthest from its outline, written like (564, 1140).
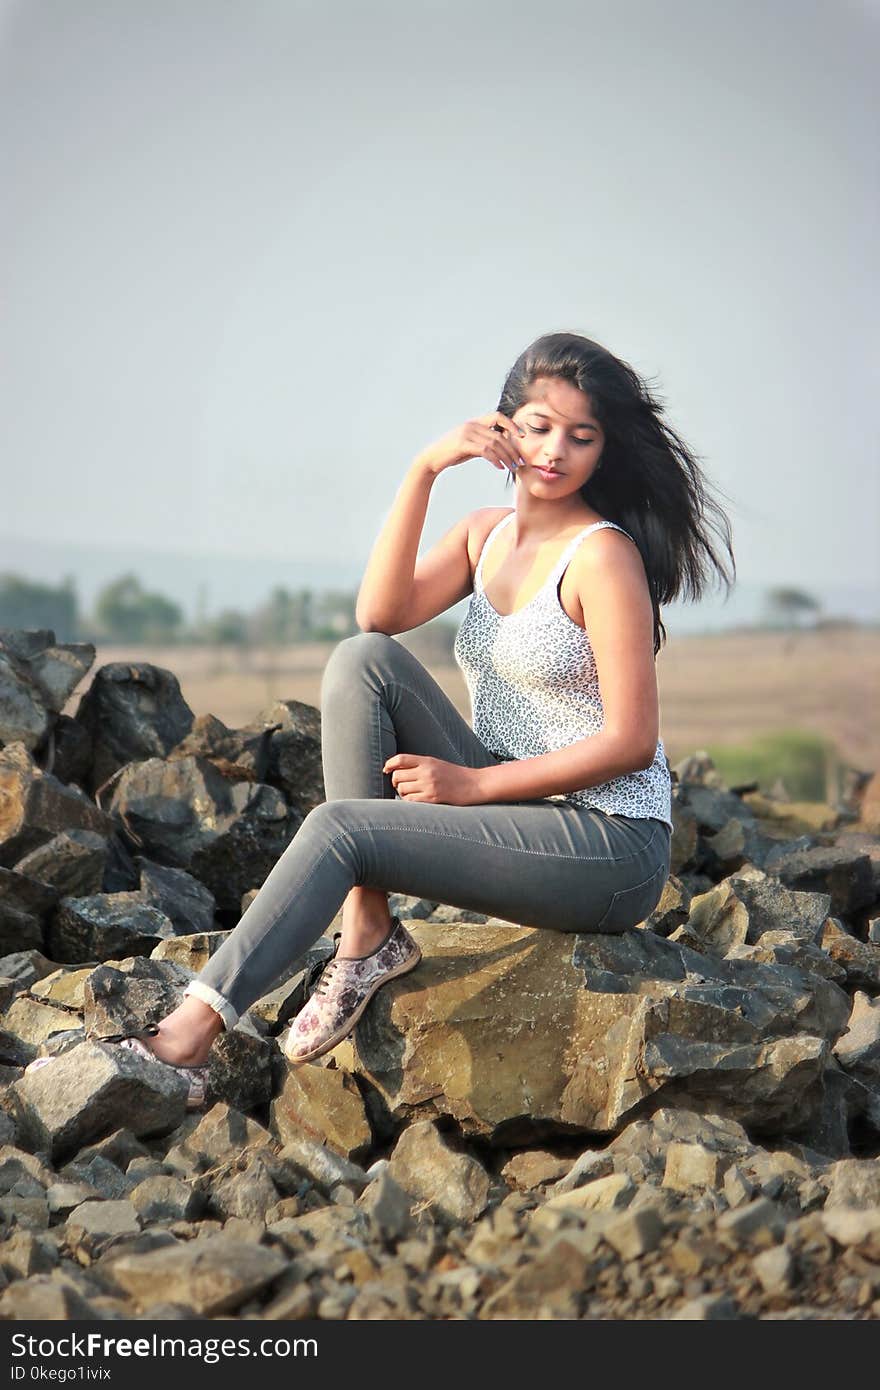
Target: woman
(554, 809)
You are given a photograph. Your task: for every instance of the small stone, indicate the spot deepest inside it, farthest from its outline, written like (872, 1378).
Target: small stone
(775, 1269)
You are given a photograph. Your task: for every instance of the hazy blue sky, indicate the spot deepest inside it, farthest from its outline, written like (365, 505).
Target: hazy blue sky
(256, 255)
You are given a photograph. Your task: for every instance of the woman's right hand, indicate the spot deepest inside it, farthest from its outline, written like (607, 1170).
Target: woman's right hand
(493, 437)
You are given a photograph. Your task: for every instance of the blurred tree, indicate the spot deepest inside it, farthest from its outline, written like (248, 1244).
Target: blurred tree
(125, 612)
(334, 615)
(25, 603)
(284, 618)
(230, 626)
(786, 607)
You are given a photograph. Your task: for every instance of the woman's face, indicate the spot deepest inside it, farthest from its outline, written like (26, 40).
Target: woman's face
(561, 434)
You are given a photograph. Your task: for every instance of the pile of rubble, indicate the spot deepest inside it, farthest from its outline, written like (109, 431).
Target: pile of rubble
(682, 1121)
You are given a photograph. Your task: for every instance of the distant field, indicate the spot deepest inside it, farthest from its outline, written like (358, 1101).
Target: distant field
(723, 689)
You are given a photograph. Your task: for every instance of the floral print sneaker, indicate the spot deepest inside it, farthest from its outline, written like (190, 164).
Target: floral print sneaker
(346, 986)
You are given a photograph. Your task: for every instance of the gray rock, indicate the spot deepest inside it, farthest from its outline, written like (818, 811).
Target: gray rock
(72, 862)
(165, 1199)
(129, 996)
(853, 1182)
(295, 764)
(228, 835)
(132, 711)
(188, 904)
(41, 1299)
(389, 1207)
(25, 967)
(322, 1166)
(105, 925)
(841, 872)
(91, 1226)
(244, 1189)
(214, 1276)
(92, 1089)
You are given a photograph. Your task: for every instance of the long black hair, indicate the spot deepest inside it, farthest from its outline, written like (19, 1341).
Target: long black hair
(648, 480)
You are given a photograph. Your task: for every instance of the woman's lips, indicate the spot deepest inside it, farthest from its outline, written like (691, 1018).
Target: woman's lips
(548, 472)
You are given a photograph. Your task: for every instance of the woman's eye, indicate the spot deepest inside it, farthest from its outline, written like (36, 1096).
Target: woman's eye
(535, 430)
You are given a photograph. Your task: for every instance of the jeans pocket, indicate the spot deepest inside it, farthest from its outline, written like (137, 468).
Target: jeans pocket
(629, 906)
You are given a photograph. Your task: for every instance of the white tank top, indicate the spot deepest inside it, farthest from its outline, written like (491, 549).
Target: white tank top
(534, 687)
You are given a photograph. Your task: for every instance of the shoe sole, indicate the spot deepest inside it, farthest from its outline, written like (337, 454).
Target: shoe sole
(344, 1031)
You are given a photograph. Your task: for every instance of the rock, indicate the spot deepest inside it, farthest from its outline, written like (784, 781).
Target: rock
(34, 1022)
(37, 677)
(132, 712)
(91, 1226)
(224, 1133)
(72, 863)
(240, 1068)
(24, 1253)
(791, 818)
(187, 904)
(535, 1168)
(860, 959)
(322, 1166)
(103, 926)
(475, 1035)
(190, 952)
(692, 1165)
(106, 1179)
(717, 920)
(842, 873)
(41, 1299)
(549, 1286)
(241, 755)
(295, 752)
(774, 907)
(90, 1090)
(761, 1219)
(213, 1276)
(854, 1226)
(163, 1198)
(455, 1186)
(322, 1104)
(858, 1049)
(35, 807)
(389, 1207)
(243, 1189)
(64, 987)
(127, 997)
(853, 1182)
(228, 835)
(775, 1269)
(25, 967)
(708, 1308)
(635, 1233)
(601, 1194)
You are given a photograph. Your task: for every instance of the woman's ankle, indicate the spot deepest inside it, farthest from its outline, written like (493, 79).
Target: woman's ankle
(186, 1036)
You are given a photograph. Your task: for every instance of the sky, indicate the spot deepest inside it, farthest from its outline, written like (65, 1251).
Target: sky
(256, 256)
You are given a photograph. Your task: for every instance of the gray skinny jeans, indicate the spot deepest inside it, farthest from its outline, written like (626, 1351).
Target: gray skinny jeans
(538, 863)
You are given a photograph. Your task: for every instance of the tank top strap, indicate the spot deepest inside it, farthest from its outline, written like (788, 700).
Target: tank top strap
(478, 571)
(575, 541)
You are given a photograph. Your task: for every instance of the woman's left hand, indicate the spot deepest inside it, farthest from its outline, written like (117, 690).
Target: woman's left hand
(417, 778)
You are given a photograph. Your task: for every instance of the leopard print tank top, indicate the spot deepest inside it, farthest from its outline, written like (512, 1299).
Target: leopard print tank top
(534, 687)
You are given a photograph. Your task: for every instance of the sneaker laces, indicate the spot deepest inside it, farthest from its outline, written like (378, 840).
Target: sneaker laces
(327, 977)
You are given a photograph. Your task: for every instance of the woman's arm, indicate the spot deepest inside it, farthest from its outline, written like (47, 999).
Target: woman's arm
(613, 591)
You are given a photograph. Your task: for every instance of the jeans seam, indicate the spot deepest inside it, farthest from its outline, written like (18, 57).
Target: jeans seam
(428, 710)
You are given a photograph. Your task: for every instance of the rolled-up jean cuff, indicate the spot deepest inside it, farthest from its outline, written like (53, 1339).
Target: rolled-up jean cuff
(215, 1001)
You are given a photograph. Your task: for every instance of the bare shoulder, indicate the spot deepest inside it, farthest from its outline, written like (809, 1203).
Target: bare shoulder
(607, 557)
(479, 524)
